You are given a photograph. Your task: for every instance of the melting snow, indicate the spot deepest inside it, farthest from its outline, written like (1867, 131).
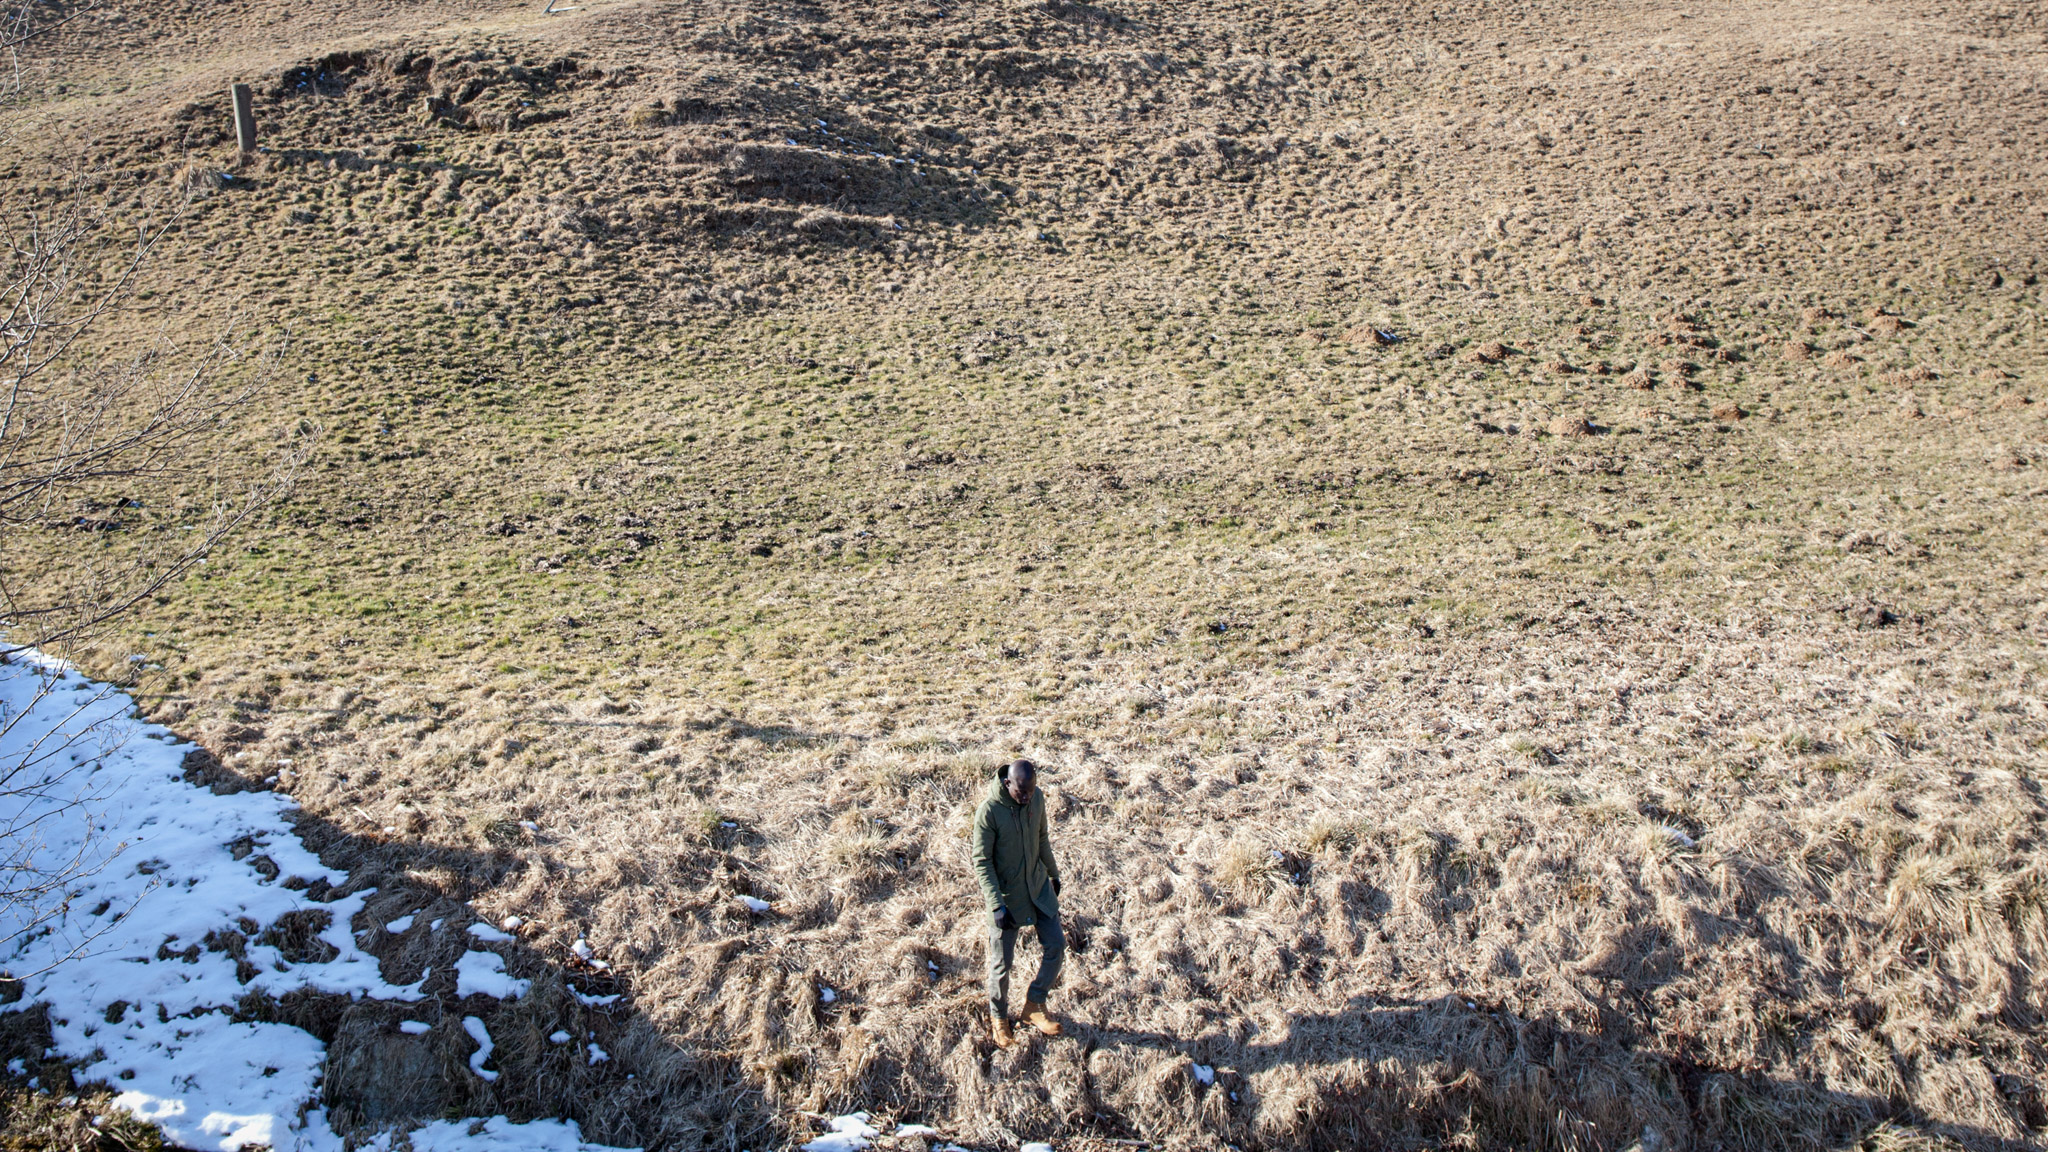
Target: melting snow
(501, 1135)
(488, 934)
(414, 1027)
(483, 973)
(848, 1134)
(399, 925)
(857, 1130)
(136, 927)
(478, 1033)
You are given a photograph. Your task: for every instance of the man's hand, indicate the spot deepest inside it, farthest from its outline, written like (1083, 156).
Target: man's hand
(1005, 921)
(1055, 886)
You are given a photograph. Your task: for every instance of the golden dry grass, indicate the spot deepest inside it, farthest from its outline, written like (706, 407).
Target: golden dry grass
(1446, 746)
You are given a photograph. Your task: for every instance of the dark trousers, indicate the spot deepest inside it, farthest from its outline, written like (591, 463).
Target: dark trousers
(1002, 952)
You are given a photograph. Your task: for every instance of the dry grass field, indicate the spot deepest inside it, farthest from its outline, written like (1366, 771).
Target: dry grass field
(1517, 529)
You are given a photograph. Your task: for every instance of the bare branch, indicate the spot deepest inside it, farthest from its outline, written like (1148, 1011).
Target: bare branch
(80, 429)
(48, 785)
(26, 21)
(69, 428)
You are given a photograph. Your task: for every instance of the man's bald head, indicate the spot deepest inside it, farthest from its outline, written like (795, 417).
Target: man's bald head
(1020, 780)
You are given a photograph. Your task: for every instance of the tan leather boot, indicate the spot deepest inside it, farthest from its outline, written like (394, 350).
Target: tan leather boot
(999, 1028)
(1036, 1016)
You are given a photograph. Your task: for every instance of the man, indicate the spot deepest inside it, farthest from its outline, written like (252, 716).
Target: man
(1021, 886)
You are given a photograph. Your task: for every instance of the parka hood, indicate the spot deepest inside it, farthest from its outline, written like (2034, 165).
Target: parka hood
(1000, 794)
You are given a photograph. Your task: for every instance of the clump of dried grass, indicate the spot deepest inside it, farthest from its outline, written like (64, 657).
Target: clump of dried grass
(198, 180)
(1333, 835)
(1247, 867)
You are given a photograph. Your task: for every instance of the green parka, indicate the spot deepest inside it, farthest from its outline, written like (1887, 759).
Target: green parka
(1013, 856)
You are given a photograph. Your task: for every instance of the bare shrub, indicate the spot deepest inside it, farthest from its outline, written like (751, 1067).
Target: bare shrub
(91, 444)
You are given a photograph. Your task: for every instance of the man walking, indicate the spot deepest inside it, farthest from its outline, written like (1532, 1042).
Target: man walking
(1021, 885)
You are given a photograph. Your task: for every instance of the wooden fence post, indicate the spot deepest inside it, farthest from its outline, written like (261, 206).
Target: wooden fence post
(245, 118)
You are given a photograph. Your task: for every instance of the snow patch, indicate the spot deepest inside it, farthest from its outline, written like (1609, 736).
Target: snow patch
(483, 974)
(482, 1036)
(501, 1135)
(848, 1134)
(857, 1130)
(136, 928)
(168, 878)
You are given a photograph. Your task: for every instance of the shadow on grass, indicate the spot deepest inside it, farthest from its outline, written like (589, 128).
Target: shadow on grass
(574, 1044)
(1358, 1076)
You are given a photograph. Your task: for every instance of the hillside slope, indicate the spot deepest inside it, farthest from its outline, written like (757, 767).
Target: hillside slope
(1516, 529)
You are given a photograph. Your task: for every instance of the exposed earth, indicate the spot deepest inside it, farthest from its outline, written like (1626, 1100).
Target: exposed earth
(1516, 531)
